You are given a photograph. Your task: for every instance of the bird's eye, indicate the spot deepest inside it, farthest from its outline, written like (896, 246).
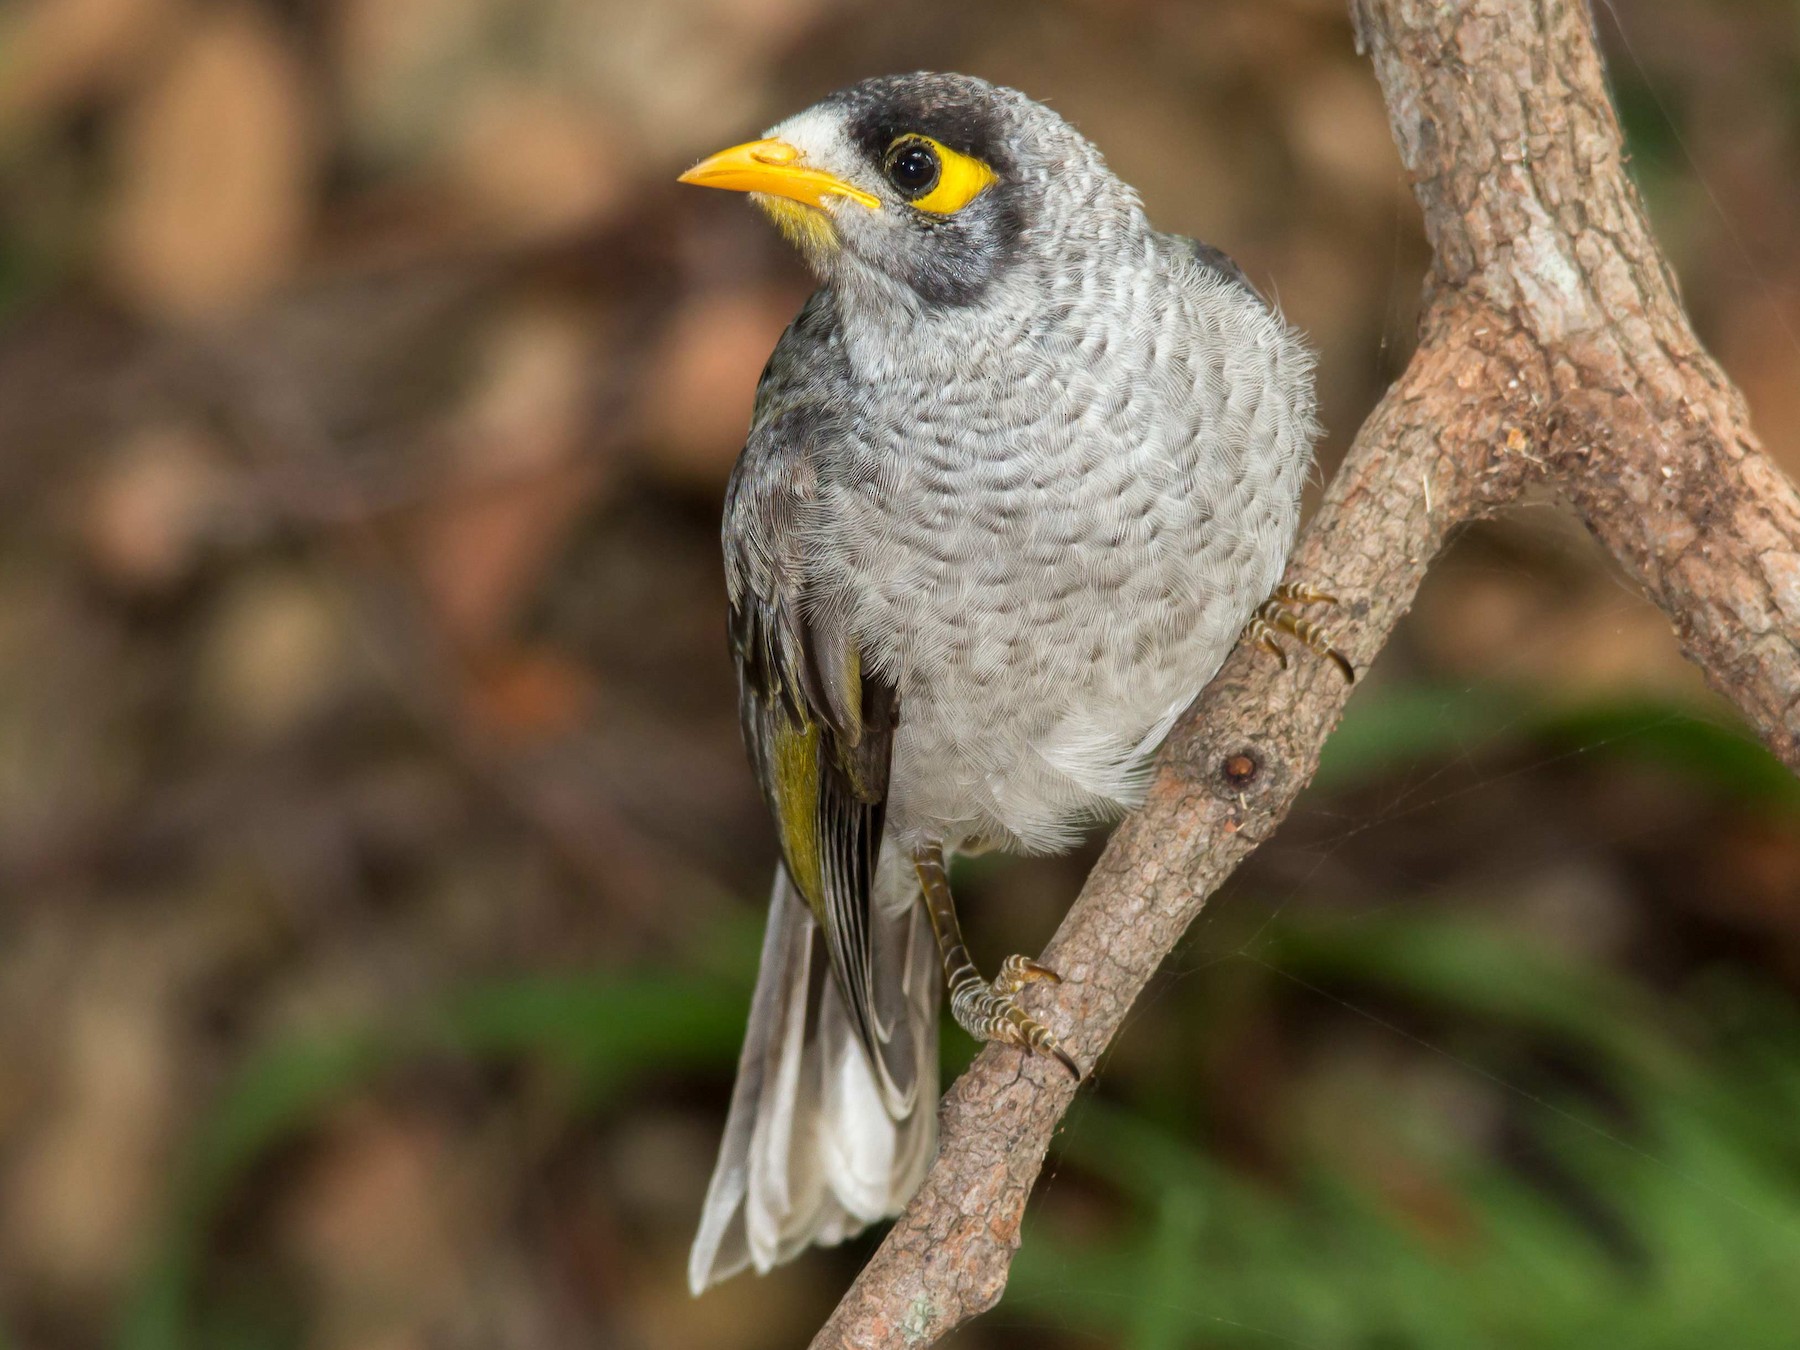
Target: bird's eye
(913, 167)
(933, 177)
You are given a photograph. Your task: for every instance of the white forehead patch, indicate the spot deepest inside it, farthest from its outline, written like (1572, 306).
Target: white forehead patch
(818, 134)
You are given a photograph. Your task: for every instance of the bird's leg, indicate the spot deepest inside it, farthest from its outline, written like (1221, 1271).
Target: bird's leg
(1276, 615)
(988, 1012)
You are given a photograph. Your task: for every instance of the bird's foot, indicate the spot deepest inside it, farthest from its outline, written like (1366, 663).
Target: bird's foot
(1276, 615)
(991, 1012)
(988, 1012)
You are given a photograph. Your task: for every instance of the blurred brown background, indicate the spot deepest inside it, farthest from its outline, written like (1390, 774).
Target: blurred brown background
(380, 877)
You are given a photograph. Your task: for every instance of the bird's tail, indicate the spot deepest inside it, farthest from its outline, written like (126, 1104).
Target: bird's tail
(811, 1153)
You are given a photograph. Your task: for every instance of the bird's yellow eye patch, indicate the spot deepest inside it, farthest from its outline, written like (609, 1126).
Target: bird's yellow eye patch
(933, 177)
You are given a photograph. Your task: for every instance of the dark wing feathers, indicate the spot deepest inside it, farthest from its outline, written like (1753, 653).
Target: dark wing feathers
(818, 722)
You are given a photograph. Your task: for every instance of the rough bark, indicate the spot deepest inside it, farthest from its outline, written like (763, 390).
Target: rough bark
(1554, 349)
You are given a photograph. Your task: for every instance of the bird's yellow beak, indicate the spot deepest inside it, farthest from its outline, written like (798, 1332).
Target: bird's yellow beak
(774, 167)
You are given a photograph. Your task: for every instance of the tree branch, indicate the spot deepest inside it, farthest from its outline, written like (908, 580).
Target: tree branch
(1554, 349)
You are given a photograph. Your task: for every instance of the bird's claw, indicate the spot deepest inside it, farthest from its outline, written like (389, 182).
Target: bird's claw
(991, 1012)
(1018, 971)
(1276, 615)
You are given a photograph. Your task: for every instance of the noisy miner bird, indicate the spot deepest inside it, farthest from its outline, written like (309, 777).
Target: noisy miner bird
(1018, 476)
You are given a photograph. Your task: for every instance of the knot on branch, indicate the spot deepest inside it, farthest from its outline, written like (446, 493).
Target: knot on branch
(1240, 769)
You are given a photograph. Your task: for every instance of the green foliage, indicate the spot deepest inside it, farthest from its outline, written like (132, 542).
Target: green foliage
(595, 1034)
(1665, 1216)
(1386, 730)
(1651, 126)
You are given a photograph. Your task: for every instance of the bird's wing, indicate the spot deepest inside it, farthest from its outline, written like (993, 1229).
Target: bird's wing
(818, 721)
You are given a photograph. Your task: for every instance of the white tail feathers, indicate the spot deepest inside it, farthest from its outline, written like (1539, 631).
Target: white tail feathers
(811, 1153)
